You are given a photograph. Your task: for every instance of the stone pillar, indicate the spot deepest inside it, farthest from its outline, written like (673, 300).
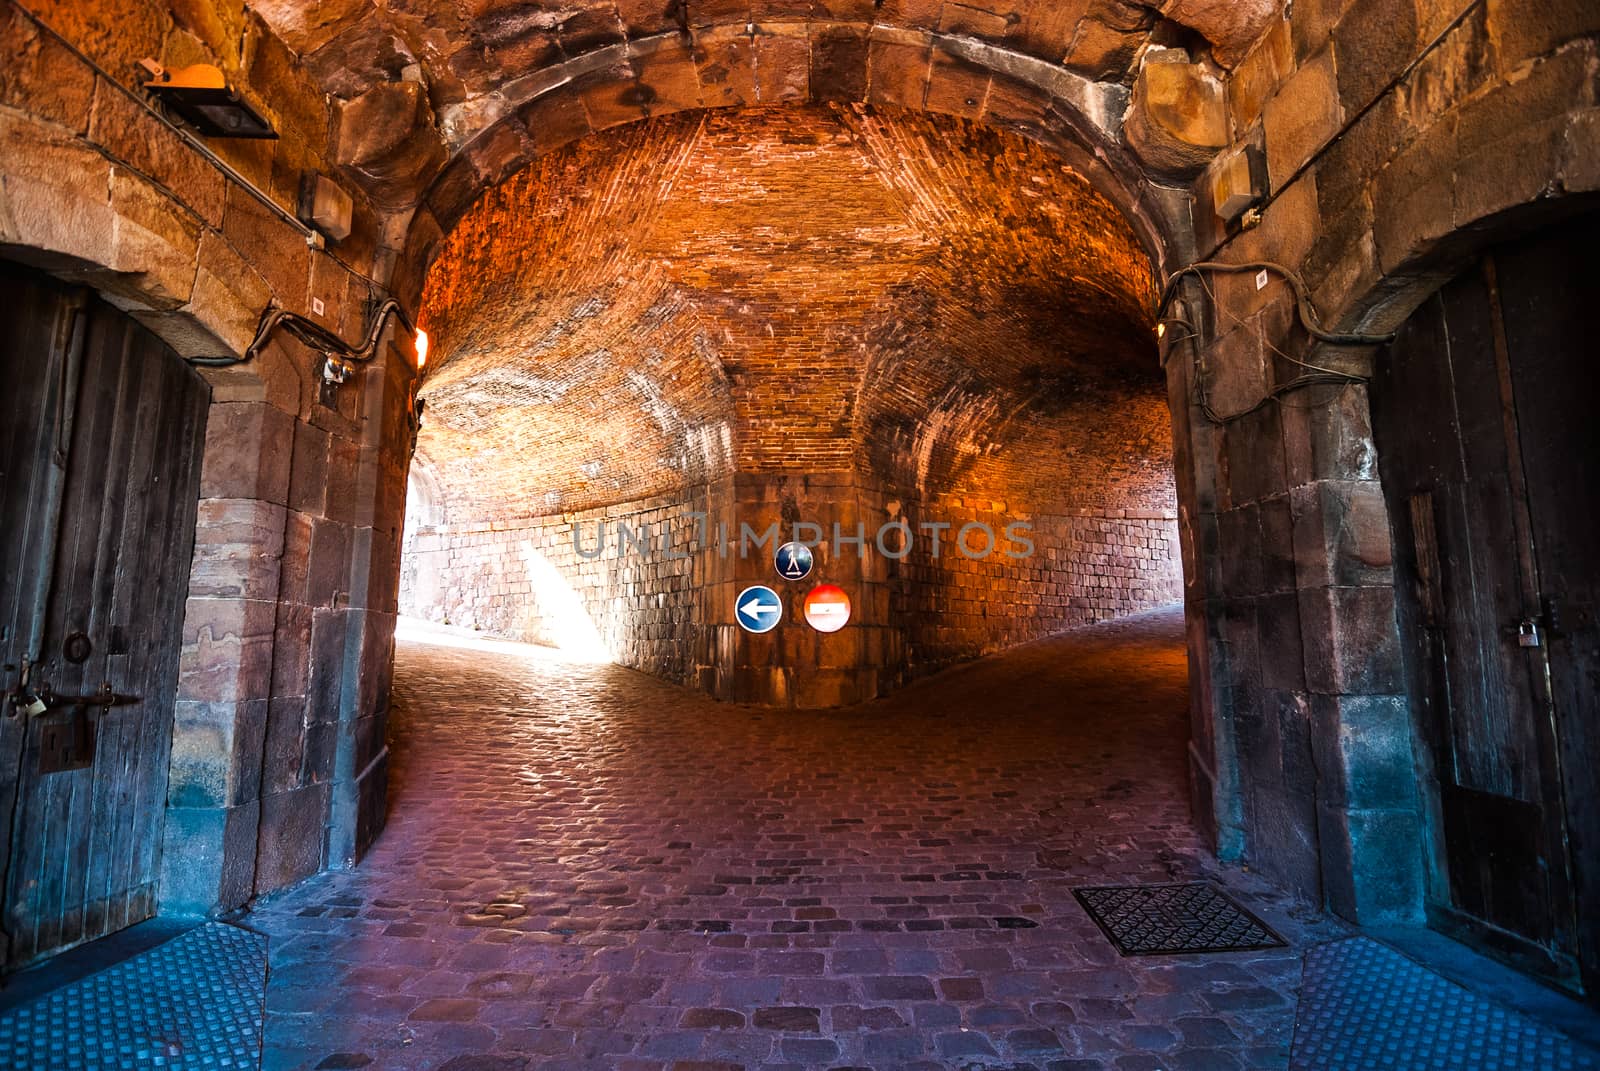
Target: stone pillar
(226, 668)
(1301, 752)
(1368, 823)
(1213, 765)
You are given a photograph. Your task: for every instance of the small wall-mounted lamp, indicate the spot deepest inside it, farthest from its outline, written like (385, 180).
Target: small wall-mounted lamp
(325, 206)
(422, 348)
(202, 98)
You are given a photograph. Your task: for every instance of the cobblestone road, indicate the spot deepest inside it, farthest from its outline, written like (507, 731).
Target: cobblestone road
(586, 868)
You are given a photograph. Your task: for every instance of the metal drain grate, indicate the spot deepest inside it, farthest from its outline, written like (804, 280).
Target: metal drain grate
(1365, 1006)
(1153, 920)
(192, 1003)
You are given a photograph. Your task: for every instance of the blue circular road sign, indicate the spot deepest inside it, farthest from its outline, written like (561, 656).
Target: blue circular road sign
(793, 561)
(758, 609)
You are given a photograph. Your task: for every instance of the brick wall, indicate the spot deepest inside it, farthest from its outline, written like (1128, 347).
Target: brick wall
(1087, 565)
(524, 579)
(670, 611)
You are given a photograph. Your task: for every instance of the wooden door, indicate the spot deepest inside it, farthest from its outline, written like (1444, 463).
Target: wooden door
(103, 428)
(1485, 418)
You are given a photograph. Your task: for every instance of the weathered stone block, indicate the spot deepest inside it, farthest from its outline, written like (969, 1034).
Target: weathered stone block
(131, 134)
(1363, 750)
(208, 859)
(1283, 842)
(227, 652)
(1255, 456)
(216, 753)
(1177, 120)
(1352, 644)
(1240, 373)
(291, 650)
(669, 78)
(1239, 541)
(386, 140)
(552, 120)
(1277, 545)
(1332, 441)
(325, 697)
(1373, 43)
(1301, 117)
(898, 73)
(307, 26)
(1371, 864)
(248, 452)
(1102, 51)
(956, 86)
(154, 240)
(291, 845)
(839, 64)
(238, 545)
(328, 572)
(228, 296)
(1524, 29)
(1279, 647)
(1341, 534)
(1232, 26)
(783, 63)
(725, 59)
(1413, 198)
(41, 77)
(1255, 79)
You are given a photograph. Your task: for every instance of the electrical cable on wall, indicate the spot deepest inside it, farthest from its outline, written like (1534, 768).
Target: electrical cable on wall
(1305, 313)
(318, 337)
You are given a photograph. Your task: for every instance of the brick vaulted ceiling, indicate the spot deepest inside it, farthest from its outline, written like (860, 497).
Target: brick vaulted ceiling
(818, 288)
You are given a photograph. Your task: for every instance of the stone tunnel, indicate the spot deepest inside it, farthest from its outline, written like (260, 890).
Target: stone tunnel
(884, 326)
(727, 534)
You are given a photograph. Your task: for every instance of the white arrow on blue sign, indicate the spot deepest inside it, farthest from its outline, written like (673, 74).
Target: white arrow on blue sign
(758, 609)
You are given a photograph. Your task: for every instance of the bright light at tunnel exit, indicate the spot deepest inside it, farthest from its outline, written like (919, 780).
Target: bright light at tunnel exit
(576, 635)
(422, 348)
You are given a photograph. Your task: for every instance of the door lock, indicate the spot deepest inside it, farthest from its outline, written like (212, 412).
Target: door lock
(1528, 634)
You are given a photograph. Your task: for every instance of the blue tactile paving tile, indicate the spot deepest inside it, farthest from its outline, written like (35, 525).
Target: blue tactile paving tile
(1365, 1007)
(194, 1002)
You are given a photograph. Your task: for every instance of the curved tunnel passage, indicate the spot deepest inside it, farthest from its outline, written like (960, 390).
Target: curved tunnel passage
(835, 316)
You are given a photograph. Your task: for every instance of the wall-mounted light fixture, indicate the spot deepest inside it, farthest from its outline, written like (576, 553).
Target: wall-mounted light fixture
(325, 205)
(202, 98)
(1238, 184)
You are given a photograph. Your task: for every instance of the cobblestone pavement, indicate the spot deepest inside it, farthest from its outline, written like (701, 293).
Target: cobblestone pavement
(587, 868)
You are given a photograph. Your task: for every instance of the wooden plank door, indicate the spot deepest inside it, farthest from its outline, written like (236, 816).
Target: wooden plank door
(1550, 293)
(1450, 408)
(101, 470)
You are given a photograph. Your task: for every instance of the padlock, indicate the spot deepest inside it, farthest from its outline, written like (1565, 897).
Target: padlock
(1528, 634)
(32, 705)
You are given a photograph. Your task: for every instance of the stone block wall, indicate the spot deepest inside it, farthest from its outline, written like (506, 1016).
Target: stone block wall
(670, 612)
(525, 579)
(1398, 139)
(1087, 565)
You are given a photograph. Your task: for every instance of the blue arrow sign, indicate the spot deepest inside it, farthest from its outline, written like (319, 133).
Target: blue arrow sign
(793, 561)
(758, 609)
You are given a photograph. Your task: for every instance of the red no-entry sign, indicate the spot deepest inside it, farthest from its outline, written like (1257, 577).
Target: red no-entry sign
(827, 608)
